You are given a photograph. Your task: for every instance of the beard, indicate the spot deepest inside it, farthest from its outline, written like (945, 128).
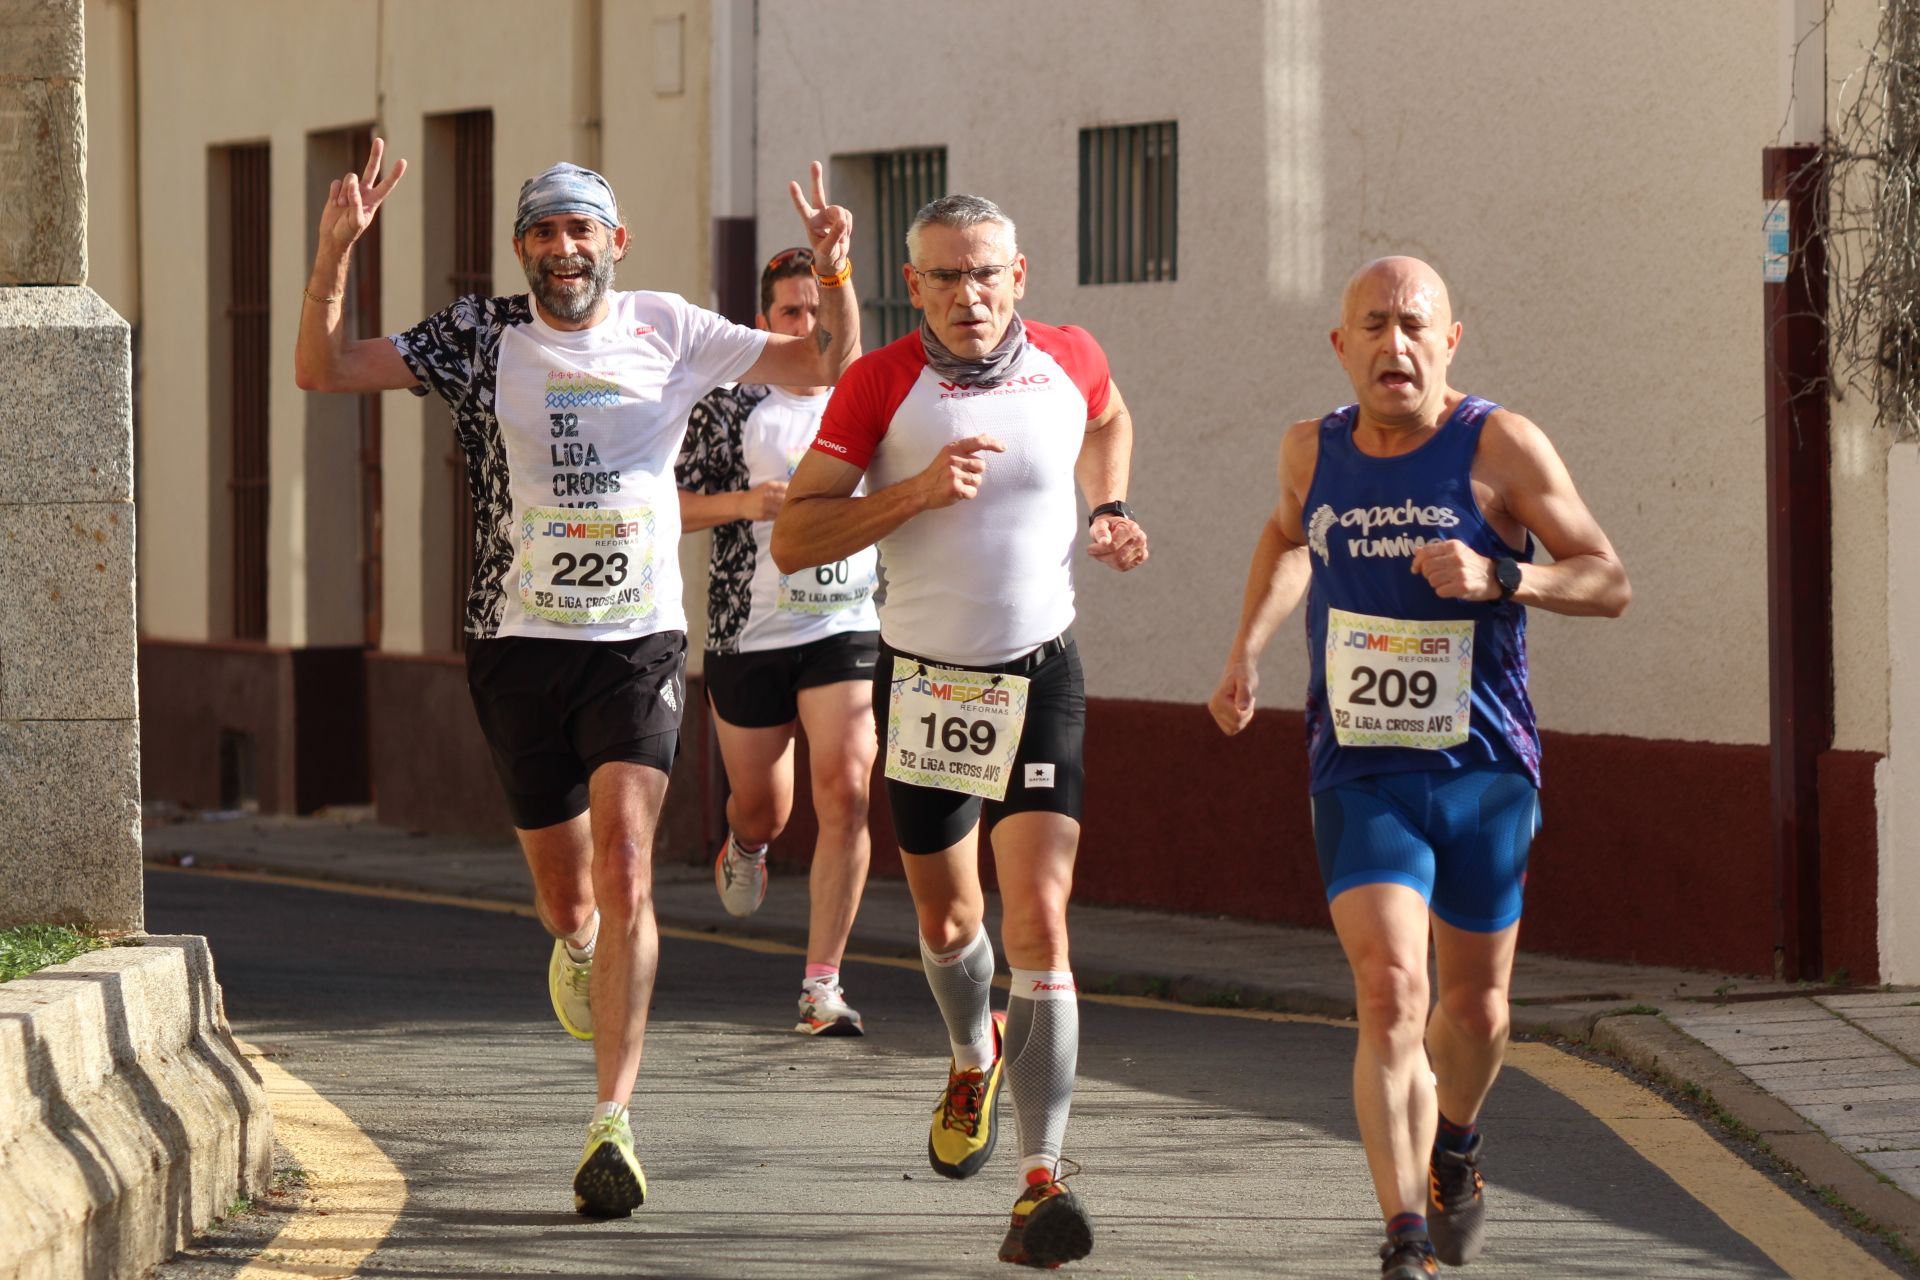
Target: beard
(569, 303)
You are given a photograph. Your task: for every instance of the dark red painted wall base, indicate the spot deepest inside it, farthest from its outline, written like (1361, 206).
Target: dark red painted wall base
(1656, 852)
(1653, 852)
(303, 712)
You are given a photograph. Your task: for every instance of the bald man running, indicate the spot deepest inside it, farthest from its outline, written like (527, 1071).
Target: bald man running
(1412, 514)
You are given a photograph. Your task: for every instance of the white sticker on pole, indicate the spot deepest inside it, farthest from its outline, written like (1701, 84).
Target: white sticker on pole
(1777, 223)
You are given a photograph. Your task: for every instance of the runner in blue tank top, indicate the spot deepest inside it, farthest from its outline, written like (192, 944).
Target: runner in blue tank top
(1408, 519)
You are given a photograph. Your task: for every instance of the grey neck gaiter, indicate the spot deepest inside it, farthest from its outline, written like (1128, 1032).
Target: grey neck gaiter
(989, 371)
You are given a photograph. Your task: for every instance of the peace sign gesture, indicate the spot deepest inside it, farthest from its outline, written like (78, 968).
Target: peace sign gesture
(353, 200)
(829, 227)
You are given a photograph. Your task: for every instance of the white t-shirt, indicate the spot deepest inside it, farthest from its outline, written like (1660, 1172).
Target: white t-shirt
(814, 603)
(986, 580)
(570, 439)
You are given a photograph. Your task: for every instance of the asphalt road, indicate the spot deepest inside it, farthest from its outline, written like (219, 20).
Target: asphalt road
(1212, 1146)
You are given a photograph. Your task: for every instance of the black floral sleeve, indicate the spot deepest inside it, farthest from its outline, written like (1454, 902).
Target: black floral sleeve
(713, 460)
(455, 353)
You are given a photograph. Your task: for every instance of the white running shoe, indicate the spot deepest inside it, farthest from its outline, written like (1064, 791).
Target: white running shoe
(568, 982)
(741, 879)
(824, 1011)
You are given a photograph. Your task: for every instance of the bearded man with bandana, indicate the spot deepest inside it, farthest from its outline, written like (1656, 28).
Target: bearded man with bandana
(971, 435)
(570, 402)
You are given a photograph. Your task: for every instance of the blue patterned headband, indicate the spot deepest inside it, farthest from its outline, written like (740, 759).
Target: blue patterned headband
(565, 188)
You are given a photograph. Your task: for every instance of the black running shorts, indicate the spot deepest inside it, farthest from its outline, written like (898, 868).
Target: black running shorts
(759, 690)
(928, 820)
(553, 711)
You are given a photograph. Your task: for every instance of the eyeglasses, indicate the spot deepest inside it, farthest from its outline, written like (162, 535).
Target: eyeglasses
(942, 279)
(802, 255)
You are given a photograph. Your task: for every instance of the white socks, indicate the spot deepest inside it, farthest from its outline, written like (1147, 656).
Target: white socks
(581, 952)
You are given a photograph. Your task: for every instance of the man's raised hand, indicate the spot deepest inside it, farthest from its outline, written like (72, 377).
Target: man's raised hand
(956, 471)
(829, 227)
(354, 199)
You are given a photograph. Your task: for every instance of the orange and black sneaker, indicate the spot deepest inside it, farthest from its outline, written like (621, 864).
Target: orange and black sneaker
(1050, 1225)
(1457, 1204)
(1408, 1258)
(966, 1120)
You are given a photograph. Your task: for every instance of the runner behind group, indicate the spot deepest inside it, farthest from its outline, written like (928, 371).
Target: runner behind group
(784, 648)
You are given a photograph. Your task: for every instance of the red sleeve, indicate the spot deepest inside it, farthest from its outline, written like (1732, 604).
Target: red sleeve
(1077, 352)
(865, 400)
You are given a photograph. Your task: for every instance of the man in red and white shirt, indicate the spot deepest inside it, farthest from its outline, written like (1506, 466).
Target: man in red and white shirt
(971, 435)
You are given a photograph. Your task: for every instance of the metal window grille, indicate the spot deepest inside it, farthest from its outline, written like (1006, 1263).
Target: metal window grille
(472, 273)
(363, 307)
(248, 173)
(903, 181)
(1130, 203)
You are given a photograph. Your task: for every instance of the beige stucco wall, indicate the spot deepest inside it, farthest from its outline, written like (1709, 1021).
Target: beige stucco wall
(112, 255)
(1589, 186)
(214, 72)
(1862, 653)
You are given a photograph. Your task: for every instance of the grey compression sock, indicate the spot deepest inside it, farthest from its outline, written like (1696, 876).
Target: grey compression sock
(962, 983)
(1043, 1053)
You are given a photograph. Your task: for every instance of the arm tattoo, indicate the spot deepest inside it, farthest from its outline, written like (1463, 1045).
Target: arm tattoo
(824, 338)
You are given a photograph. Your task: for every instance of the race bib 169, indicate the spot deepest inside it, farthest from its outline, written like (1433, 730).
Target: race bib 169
(952, 729)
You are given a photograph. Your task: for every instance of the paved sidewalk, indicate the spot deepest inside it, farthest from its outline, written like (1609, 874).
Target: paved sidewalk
(1829, 1081)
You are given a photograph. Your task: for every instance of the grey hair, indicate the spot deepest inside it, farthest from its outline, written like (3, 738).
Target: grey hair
(958, 211)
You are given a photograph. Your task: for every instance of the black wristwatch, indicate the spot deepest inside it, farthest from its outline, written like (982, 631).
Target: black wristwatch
(1506, 572)
(1120, 509)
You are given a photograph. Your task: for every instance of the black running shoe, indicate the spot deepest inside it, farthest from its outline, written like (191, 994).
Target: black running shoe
(1408, 1259)
(1456, 1204)
(1050, 1224)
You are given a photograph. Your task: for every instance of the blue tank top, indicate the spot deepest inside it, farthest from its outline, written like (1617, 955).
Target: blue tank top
(1364, 517)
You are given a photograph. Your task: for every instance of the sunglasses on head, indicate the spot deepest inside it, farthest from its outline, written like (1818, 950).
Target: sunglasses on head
(782, 258)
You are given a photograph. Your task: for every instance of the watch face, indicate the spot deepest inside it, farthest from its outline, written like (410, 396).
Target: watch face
(1507, 573)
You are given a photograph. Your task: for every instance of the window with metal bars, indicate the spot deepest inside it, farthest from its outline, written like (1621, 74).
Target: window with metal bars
(1130, 203)
(893, 185)
(248, 364)
(464, 197)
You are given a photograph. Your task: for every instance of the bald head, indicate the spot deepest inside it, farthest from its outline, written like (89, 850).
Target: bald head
(1396, 338)
(1396, 280)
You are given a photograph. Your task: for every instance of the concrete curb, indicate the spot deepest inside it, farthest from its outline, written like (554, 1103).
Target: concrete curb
(128, 1118)
(1670, 1055)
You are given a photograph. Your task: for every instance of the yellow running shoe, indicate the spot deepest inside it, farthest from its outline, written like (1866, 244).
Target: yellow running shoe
(609, 1183)
(966, 1120)
(1050, 1225)
(568, 981)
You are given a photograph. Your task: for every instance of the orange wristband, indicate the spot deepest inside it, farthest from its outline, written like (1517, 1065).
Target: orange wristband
(838, 278)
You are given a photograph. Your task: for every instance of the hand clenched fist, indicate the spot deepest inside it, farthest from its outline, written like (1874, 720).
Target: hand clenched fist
(1455, 571)
(762, 502)
(1117, 542)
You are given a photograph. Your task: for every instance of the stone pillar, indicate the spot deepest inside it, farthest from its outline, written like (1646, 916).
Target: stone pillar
(69, 714)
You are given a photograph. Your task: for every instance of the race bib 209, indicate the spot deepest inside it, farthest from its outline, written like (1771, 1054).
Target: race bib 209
(1394, 683)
